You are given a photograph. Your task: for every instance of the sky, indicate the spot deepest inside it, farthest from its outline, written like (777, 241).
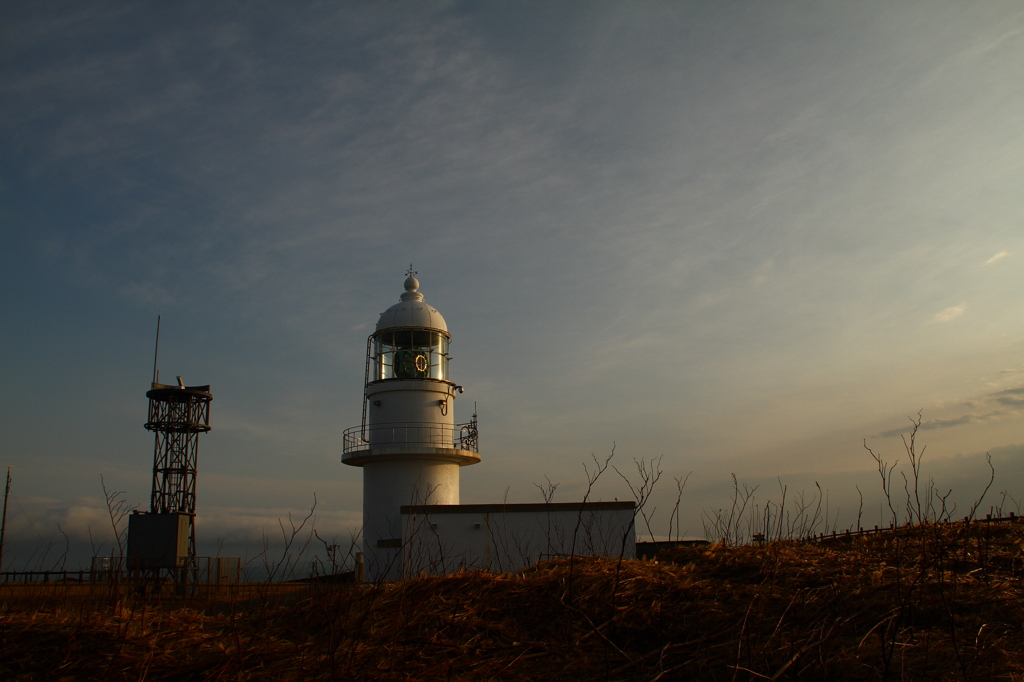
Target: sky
(741, 237)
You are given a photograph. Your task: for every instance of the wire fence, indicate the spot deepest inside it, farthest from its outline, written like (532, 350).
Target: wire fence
(860, 532)
(107, 570)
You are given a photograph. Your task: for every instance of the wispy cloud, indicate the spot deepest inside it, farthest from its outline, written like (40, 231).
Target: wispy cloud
(999, 256)
(930, 424)
(1011, 397)
(240, 524)
(950, 313)
(995, 406)
(146, 294)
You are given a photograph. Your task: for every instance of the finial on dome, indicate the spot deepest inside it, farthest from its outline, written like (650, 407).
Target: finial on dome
(411, 283)
(411, 286)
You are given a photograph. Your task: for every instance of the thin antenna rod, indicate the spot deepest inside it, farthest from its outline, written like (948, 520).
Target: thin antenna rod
(3, 524)
(156, 351)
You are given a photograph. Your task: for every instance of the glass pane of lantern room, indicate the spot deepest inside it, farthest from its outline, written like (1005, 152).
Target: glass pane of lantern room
(385, 356)
(439, 356)
(411, 354)
(403, 355)
(421, 354)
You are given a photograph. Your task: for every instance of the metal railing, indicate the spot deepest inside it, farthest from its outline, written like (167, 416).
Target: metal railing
(860, 532)
(211, 570)
(412, 434)
(45, 577)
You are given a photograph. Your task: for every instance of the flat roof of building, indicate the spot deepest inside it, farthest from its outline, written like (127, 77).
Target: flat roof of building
(516, 508)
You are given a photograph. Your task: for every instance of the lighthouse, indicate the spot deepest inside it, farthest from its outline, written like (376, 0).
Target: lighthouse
(408, 444)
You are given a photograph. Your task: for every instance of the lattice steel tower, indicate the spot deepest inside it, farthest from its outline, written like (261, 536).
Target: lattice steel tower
(165, 538)
(177, 415)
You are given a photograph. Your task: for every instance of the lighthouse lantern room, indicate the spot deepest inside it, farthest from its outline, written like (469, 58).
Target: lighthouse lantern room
(408, 444)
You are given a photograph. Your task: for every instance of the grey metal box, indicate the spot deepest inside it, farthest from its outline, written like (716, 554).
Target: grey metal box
(158, 540)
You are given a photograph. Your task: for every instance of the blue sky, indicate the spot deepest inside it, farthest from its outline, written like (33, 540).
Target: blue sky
(743, 236)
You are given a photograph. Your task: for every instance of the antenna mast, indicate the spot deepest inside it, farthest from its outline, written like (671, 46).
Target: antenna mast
(3, 524)
(156, 351)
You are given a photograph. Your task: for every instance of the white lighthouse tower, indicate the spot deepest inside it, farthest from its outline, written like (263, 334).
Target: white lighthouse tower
(409, 446)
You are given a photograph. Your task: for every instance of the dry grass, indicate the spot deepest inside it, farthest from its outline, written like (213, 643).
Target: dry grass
(925, 603)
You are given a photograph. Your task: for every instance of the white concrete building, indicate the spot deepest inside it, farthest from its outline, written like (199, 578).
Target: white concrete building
(506, 537)
(411, 451)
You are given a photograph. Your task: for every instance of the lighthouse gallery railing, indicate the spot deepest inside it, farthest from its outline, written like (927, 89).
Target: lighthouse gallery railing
(412, 434)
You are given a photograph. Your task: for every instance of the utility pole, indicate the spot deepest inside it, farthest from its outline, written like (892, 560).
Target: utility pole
(3, 524)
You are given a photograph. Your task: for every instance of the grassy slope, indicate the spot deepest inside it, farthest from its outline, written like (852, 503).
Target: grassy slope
(927, 603)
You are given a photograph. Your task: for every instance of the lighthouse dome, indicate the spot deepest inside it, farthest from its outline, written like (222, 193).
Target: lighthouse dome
(411, 311)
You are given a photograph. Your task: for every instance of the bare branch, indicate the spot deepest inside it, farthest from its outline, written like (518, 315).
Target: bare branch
(548, 491)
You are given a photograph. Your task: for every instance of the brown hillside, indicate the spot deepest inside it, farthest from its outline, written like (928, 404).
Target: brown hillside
(924, 603)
